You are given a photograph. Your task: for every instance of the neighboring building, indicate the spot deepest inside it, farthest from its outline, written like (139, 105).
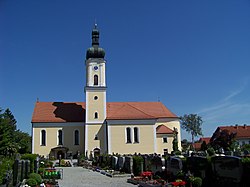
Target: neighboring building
(242, 133)
(97, 126)
(197, 145)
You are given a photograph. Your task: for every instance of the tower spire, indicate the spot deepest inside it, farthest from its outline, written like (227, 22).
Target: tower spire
(95, 51)
(95, 36)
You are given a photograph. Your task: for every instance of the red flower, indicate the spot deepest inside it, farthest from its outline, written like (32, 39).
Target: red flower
(181, 183)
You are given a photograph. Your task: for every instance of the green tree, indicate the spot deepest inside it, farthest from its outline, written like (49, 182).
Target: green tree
(192, 124)
(6, 138)
(12, 140)
(11, 120)
(23, 141)
(224, 139)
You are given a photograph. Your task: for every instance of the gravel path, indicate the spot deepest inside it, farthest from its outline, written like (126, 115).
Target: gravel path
(78, 177)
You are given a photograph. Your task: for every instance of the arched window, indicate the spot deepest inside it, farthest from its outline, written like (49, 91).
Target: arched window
(95, 79)
(76, 135)
(128, 134)
(43, 138)
(60, 137)
(96, 115)
(136, 135)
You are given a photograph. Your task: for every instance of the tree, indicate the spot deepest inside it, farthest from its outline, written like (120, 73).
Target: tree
(12, 140)
(224, 139)
(192, 124)
(23, 141)
(11, 120)
(6, 138)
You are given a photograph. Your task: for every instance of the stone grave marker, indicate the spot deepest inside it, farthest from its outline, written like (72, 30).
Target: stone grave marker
(114, 160)
(120, 163)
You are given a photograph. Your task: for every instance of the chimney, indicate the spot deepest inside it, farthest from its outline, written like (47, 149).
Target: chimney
(236, 126)
(245, 126)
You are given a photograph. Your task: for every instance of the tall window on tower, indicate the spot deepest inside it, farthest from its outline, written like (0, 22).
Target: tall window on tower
(43, 138)
(95, 79)
(128, 134)
(60, 137)
(136, 135)
(96, 115)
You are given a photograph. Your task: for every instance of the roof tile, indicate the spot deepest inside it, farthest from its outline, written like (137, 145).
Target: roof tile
(75, 111)
(241, 131)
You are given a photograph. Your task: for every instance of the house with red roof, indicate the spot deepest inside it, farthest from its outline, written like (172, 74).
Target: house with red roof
(197, 145)
(64, 129)
(242, 133)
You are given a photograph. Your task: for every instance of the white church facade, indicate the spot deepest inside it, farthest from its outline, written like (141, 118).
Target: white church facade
(97, 126)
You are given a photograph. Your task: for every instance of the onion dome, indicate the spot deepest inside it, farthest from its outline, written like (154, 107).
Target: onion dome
(95, 51)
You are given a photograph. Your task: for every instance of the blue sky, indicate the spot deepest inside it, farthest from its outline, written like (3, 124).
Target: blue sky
(194, 56)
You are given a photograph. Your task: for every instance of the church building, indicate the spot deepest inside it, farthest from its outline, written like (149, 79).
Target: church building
(97, 126)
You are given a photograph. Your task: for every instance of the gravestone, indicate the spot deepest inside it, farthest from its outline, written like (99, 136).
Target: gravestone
(156, 163)
(36, 165)
(120, 163)
(227, 167)
(146, 166)
(27, 168)
(17, 167)
(22, 169)
(174, 165)
(114, 160)
(197, 165)
(128, 165)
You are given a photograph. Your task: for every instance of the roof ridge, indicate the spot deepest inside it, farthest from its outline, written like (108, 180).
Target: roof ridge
(163, 107)
(140, 110)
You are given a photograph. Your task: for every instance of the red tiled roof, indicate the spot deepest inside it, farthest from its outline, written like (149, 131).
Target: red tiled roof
(241, 131)
(137, 110)
(58, 112)
(197, 146)
(75, 111)
(206, 139)
(162, 129)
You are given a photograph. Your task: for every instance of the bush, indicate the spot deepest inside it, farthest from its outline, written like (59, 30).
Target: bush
(62, 162)
(177, 152)
(197, 182)
(246, 163)
(5, 165)
(137, 165)
(210, 151)
(31, 182)
(180, 175)
(45, 163)
(36, 176)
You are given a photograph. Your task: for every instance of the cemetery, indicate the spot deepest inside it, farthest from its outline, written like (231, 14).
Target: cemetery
(153, 170)
(211, 167)
(175, 170)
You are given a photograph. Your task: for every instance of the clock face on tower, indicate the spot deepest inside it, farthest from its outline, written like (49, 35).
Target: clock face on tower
(95, 68)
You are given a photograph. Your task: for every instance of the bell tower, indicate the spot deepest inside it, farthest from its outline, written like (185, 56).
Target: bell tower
(95, 92)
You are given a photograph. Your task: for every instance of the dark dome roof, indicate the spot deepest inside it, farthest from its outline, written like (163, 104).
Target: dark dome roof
(95, 51)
